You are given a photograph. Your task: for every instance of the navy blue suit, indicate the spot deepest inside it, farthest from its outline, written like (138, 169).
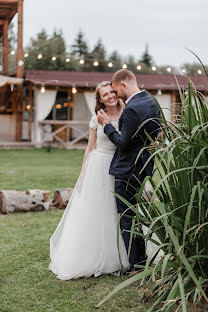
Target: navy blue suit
(129, 142)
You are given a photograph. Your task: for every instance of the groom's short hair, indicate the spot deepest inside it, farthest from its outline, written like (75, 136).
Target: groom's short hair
(123, 75)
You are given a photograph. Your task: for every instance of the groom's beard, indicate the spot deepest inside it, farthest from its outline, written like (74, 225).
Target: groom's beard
(123, 97)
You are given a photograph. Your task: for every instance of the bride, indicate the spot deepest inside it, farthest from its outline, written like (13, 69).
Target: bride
(85, 241)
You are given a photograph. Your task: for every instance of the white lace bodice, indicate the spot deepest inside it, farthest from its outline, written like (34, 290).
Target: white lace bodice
(103, 143)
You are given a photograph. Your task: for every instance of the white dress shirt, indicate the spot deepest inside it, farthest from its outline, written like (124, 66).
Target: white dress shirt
(128, 100)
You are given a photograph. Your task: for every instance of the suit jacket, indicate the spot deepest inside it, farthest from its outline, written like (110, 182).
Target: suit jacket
(130, 141)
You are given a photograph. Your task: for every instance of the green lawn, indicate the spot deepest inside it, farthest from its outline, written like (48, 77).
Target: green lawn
(36, 168)
(25, 282)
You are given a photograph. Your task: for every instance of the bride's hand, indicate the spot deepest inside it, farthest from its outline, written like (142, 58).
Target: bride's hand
(151, 148)
(103, 117)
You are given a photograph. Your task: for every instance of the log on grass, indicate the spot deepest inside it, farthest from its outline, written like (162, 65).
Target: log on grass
(16, 201)
(61, 198)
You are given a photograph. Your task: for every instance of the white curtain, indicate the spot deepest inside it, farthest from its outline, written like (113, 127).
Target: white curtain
(90, 99)
(165, 103)
(43, 105)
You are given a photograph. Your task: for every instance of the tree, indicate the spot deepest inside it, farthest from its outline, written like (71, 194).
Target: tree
(48, 47)
(192, 69)
(80, 47)
(116, 59)
(12, 38)
(12, 43)
(131, 62)
(80, 50)
(98, 54)
(146, 57)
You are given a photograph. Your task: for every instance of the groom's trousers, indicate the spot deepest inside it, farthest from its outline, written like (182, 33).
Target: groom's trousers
(128, 190)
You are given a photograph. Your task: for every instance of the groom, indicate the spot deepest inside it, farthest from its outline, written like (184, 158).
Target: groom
(140, 107)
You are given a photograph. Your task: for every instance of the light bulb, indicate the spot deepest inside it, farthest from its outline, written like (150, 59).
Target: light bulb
(82, 61)
(74, 90)
(40, 56)
(154, 68)
(199, 71)
(139, 67)
(110, 64)
(124, 66)
(53, 58)
(67, 59)
(169, 69)
(96, 63)
(26, 55)
(12, 52)
(42, 90)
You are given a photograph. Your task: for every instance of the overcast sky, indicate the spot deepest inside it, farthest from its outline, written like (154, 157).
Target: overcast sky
(168, 26)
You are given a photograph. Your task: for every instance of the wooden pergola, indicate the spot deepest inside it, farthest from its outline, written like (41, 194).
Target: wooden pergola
(8, 9)
(11, 101)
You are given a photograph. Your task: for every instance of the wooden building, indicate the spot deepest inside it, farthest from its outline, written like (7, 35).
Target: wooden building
(63, 102)
(11, 89)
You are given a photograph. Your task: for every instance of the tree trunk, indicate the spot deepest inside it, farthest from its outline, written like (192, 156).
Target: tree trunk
(31, 200)
(61, 198)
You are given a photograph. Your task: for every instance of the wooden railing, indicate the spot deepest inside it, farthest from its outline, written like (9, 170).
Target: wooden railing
(64, 125)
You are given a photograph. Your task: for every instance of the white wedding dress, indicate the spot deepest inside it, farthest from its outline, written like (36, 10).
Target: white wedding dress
(85, 241)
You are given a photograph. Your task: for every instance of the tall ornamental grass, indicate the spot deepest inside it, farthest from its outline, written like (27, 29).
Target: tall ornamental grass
(178, 210)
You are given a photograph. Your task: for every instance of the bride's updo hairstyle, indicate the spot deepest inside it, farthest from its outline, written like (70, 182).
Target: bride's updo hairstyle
(99, 105)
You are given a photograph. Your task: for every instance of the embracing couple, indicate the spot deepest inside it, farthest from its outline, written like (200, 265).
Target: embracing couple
(86, 242)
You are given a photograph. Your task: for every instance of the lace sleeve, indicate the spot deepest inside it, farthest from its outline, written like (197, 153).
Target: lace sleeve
(93, 122)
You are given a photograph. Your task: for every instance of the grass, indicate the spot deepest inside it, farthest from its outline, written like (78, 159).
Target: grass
(38, 169)
(25, 282)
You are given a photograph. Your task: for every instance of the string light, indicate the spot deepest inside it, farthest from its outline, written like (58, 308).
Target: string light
(28, 107)
(110, 64)
(20, 63)
(58, 106)
(65, 104)
(11, 87)
(74, 90)
(96, 63)
(42, 90)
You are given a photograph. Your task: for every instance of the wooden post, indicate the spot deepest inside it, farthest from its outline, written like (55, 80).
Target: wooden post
(5, 48)
(71, 112)
(30, 114)
(20, 67)
(173, 106)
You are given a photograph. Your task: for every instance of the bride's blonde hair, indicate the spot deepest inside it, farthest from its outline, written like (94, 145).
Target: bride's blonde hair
(99, 105)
